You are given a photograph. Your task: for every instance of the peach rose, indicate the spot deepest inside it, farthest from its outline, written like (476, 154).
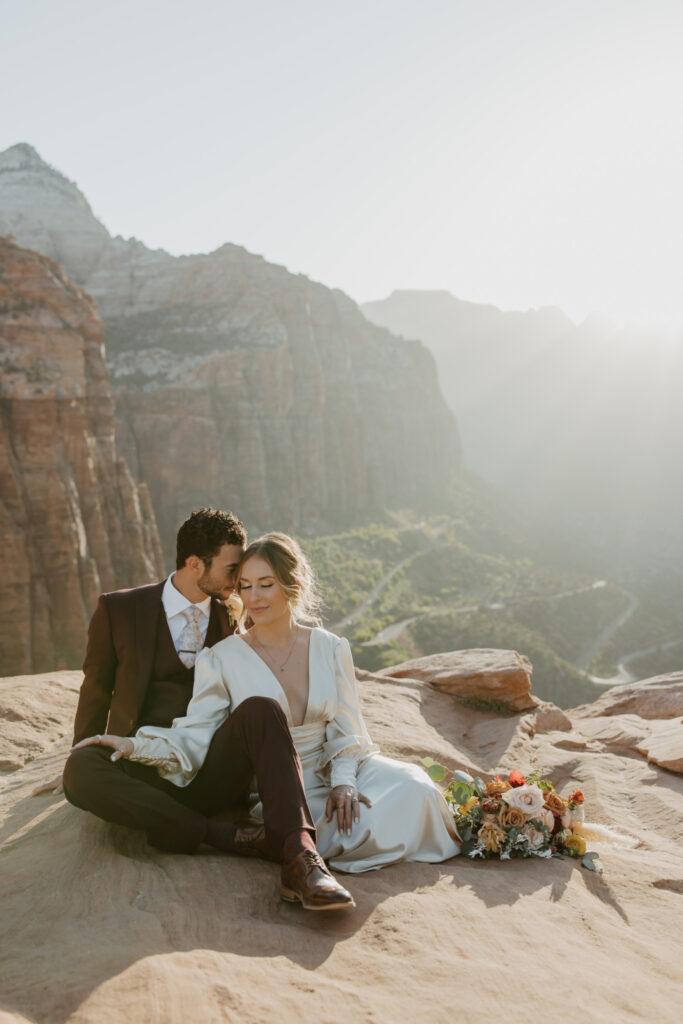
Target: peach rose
(511, 817)
(527, 798)
(546, 818)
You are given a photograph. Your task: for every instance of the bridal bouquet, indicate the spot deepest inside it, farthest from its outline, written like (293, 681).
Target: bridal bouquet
(517, 817)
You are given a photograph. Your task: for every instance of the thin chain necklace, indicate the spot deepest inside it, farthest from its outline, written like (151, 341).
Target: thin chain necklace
(267, 656)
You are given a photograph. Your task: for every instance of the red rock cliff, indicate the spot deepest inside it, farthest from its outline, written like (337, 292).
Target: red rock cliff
(239, 384)
(72, 520)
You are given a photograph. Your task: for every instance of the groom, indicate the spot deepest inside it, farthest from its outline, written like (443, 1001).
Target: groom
(139, 669)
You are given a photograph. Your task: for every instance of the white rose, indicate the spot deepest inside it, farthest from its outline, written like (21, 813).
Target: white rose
(536, 839)
(529, 799)
(566, 819)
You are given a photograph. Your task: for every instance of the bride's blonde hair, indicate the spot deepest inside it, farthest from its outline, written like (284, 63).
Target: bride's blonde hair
(292, 571)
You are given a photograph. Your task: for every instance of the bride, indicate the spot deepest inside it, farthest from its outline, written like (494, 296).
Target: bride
(369, 810)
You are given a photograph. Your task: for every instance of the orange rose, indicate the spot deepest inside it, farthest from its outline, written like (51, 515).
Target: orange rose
(496, 788)
(511, 817)
(576, 797)
(555, 803)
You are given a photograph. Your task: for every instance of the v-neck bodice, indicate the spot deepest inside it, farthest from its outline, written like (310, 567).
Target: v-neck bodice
(332, 731)
(286, 707)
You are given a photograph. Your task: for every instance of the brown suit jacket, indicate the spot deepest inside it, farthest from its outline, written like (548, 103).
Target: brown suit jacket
(119, 658)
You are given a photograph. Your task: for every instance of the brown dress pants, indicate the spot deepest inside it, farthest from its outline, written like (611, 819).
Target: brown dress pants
(253, 741)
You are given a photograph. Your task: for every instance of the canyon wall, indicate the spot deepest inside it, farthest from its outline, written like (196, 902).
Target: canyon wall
(239, 384)
(73, 522)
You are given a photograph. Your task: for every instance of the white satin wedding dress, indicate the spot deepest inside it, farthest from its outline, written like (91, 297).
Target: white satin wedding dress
(409, 818)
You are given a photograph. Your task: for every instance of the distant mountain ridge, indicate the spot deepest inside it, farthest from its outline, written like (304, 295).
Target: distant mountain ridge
(237, 383)
(582, 425)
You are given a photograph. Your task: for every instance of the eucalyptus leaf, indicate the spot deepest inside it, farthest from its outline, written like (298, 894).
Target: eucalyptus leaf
(427, 761)
(462, 792)
(591, 861)
(461, 777)
(436, 772)
(479, 786)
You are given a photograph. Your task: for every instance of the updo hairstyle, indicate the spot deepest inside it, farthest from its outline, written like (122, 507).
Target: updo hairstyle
(292, 571)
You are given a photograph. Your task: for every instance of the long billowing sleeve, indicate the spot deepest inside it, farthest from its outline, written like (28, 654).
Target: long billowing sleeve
(347, 741)
(179, 752)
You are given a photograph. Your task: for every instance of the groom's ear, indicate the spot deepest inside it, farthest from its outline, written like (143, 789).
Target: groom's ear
(195, 564)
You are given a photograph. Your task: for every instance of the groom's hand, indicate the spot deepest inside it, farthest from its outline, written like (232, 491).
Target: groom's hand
(121, 745)
(55, 786)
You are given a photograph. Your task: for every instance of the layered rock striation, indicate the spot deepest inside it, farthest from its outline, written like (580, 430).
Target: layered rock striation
(239, 384)
(73, 521)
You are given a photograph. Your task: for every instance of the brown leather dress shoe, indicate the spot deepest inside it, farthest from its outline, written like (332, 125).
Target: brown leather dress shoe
(306, 880)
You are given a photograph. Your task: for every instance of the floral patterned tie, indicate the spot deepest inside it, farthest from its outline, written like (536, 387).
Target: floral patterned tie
(190, 640)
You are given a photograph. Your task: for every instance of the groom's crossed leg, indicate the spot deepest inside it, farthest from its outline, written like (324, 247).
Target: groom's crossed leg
(254, 740)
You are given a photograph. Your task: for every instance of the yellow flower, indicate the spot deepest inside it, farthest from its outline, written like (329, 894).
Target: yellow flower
(464, 808)
(491, 836)
(575, 845)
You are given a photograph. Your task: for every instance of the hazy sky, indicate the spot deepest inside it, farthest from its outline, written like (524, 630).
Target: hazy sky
(519, 152)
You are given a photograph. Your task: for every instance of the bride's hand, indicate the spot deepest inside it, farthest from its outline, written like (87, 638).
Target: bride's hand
(345, 801)
(121, 745)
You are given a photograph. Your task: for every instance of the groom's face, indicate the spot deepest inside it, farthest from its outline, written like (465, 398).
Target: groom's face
(218, 577)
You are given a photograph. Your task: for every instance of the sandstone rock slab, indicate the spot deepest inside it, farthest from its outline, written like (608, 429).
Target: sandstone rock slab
(487, 675)
(664, 745)
(658, 697)
(147, 936)
(35, 712)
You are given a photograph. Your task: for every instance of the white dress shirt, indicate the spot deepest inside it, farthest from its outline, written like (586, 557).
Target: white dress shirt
(175, 605)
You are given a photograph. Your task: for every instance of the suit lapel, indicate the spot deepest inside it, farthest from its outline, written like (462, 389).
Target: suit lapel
(148, 611)
(219, 623)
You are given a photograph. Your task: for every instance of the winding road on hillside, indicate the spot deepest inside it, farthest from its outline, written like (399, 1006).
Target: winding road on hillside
(606, 634)
(349, 619)
(392, 632)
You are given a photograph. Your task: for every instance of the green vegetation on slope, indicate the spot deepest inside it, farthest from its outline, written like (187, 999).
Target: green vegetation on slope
(454, 590)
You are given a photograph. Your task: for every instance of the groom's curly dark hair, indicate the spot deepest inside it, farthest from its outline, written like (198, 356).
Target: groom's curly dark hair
(205, 532)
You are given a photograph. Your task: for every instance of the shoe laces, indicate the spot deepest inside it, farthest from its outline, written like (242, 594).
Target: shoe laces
(312, 859)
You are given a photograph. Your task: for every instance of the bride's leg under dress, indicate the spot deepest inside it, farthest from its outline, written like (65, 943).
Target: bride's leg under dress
(409, 820)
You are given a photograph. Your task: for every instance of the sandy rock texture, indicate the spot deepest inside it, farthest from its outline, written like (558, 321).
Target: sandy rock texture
(483, 674)
(239, 384)
(73, 521)
(648, 719)
(99, 928)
